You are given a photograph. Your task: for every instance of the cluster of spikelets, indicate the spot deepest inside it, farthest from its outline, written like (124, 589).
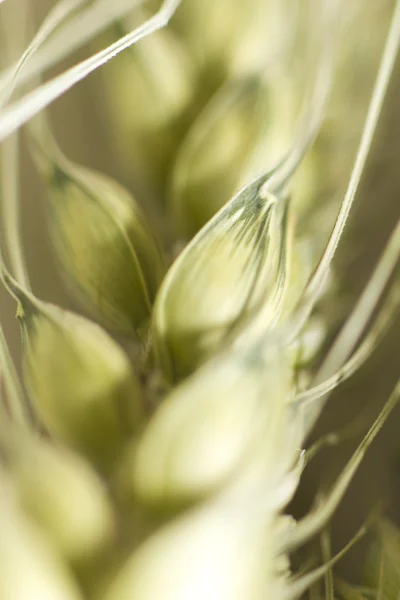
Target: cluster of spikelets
(162, 470)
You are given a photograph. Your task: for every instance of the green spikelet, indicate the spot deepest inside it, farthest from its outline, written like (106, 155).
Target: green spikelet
(213, 155)
(103, 242)
(81, 524)
(151, 90)
(211, 425)
(228, 37)
(29, 567)
(228, 270)
(215, 552)
(81, 382)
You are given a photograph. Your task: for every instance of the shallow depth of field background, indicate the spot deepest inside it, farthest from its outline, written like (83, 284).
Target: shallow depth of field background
(78, 118)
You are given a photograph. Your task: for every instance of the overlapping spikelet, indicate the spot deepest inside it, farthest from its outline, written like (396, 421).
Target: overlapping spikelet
(164, 475)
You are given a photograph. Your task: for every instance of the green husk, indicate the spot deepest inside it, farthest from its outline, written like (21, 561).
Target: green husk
(207, 429)
(102, 240)
(81, 383)
(150, 91)
(29, 566)
(213, 154)
(228, 271)
(81, 523)
(218, 551)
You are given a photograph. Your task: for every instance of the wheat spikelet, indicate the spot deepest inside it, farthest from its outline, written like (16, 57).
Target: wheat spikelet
(164, 470)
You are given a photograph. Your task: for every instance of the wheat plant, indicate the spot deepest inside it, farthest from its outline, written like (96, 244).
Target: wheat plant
(159, 430)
